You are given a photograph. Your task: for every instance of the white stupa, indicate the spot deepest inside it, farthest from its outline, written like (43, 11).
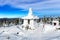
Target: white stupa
(29, 18)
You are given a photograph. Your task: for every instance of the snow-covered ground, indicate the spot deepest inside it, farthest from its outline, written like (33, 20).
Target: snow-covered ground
(40, 33)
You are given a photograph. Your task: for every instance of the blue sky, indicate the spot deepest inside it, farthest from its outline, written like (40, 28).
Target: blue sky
(19, 8)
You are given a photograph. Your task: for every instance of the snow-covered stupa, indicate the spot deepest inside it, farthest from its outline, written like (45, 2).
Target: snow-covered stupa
(29, 19)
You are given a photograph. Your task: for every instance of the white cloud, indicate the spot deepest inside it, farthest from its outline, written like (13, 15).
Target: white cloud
(45, 4)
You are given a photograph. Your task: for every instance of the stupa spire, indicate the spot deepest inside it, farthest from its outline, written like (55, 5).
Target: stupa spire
(30, 11)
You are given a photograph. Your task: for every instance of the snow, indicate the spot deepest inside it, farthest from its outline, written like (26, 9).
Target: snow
(15, 32)
(30, 15)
